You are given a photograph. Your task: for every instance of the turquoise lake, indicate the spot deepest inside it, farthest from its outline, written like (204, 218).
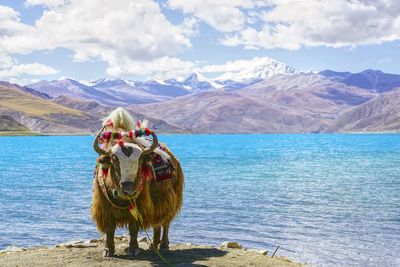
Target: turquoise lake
(327, 200)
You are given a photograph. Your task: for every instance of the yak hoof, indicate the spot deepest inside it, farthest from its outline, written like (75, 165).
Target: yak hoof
(164, 246)
(107, 253)
(133, 252)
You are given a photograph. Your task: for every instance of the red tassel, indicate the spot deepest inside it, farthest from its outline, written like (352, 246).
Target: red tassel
(107, 135)
(121, 143)
(147, 131)
(147, 173)
(104, 172)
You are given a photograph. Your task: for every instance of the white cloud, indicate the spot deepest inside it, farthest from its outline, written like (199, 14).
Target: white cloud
(135, 38)
(189, 26)
(49, 3)
(120, 32)
(223, 15)
(162, 68)
(29, 69)
(336, 23)
(10, 24)
(5, 61)
(10, 68)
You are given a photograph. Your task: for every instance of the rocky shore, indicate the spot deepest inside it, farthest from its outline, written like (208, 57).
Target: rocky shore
(89, 253)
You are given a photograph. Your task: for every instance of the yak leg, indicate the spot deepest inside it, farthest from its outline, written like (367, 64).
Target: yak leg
(109, 249)
(133, 244)
(165, 241)
(156, 237)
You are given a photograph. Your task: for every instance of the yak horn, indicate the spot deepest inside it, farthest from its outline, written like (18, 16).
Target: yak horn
(153, 146)
(96, 146)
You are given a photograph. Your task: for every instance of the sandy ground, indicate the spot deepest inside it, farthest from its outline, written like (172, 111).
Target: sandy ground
(89, 253)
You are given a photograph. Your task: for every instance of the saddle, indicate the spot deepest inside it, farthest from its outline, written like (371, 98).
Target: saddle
(162, 169)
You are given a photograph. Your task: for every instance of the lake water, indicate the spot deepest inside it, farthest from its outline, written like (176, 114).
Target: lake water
(328, 200)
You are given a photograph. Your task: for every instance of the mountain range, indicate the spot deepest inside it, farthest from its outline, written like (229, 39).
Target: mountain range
(264, 97)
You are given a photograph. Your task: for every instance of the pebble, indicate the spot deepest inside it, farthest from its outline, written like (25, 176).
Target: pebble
(119, 237)
(259, 251)
(12, 249)
(231, 244)
(78, 244)
(91, 241)
(37, 247)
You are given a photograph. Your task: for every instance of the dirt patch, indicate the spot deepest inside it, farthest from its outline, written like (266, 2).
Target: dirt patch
(89, 253)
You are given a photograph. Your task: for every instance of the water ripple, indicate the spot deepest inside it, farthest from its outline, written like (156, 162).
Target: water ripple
(327, 200)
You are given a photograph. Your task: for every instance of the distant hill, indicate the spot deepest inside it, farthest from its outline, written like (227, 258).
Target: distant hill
(380, 114)
(9, 125)
(372, 80)
(72, 88)
(41, 115)
(120, 92)
(296, 103)
(98, 112)
(264, 97)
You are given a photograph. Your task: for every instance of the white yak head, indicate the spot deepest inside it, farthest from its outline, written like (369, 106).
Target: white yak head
(124, 158)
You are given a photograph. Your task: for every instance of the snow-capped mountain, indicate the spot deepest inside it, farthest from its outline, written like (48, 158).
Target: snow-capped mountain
(197, 81)
(108, 82)
(73, 88)
(257, 69)
(124, 92)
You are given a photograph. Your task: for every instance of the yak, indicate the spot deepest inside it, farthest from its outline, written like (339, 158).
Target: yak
(125, 173)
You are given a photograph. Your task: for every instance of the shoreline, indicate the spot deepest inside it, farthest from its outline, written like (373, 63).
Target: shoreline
(89, 253)
(12, 133)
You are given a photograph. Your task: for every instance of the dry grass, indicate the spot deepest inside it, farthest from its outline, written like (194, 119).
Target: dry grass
(18, 133)
(178, 255)
(12, 100)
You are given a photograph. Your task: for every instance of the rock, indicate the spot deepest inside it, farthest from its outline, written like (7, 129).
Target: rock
(78, 244)
(84, 245)
(91, 241)
(230, 244)
(142, 239)
(263, 252)
(119, 237)
(10, 249)
(259, 251)
(38, 247)
(68, 244)
(283, 258)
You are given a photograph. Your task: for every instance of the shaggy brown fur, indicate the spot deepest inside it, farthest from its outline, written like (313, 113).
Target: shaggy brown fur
(158, 203)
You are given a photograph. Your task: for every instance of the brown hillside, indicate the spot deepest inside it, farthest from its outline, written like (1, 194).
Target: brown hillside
(39, 114)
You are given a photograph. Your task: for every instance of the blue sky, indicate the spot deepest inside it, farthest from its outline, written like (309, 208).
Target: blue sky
(141, 39)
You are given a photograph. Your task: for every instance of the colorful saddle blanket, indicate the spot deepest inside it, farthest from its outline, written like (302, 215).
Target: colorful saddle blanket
(163, 169)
